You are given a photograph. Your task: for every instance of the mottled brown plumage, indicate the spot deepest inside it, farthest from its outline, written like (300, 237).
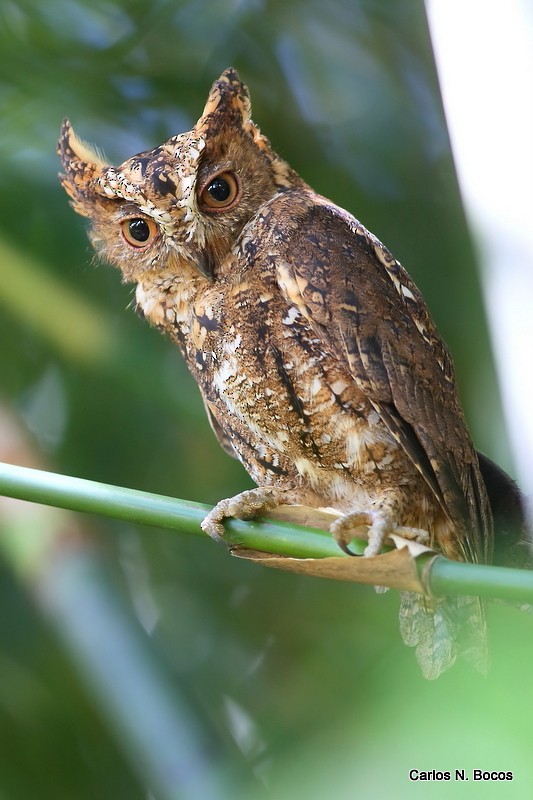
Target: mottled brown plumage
(317, 359)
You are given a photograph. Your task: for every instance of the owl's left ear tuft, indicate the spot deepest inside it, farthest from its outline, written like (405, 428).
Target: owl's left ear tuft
(82, 165)
(72, 149)
(228, 102)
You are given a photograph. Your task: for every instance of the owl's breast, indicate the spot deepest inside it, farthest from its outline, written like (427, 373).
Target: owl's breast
(292, 412)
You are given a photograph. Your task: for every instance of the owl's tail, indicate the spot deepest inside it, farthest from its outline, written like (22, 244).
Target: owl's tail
(443, 631)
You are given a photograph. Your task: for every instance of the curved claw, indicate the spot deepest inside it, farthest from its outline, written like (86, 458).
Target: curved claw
(345, 549)
(344, 527)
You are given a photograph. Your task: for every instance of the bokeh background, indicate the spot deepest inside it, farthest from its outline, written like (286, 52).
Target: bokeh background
(308, 679)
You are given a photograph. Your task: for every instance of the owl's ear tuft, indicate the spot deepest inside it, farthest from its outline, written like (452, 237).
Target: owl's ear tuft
(71, 148)
(82, 164)
(228, 102)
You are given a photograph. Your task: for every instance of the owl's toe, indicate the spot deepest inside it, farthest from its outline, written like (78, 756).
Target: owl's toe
(414, 534)
(212, 524)
(378, 525)
(246, 505)
(344, 529)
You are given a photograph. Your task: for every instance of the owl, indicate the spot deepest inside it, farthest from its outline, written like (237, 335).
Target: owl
(318, 362)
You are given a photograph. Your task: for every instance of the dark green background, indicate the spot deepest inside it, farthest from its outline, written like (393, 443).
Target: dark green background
(309, 677)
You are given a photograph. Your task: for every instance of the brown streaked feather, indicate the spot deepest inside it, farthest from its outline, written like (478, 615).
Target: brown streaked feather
(395, 356)
(223, 439)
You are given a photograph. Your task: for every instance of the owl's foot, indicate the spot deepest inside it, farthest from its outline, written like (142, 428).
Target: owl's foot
(380, 525)
(246, 505)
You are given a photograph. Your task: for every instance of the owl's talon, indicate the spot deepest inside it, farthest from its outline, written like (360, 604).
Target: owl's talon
(414, 534)
(345, 549)
(246, 505)
(380, 523)
(212, 525)
(343, 529)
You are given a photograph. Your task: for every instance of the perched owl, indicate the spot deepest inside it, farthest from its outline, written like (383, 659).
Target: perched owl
(318, 362)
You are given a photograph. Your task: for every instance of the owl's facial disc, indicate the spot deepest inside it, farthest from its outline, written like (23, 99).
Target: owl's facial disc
(182, 205)
(158, 212)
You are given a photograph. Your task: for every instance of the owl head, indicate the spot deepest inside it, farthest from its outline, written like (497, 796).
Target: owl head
(182, 205)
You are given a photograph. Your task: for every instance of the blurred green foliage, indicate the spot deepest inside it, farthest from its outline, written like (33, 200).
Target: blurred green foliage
(308, 678)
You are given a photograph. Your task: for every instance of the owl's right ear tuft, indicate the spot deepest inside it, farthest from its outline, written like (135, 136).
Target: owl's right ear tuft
(82, 165)
(228, 103)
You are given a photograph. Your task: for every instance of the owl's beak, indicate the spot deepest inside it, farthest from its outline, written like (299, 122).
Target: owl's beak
(204, 265)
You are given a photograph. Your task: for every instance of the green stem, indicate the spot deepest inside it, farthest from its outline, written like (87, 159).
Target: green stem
(170, 746)
(78, 494)
(444, 576)
(504, 583)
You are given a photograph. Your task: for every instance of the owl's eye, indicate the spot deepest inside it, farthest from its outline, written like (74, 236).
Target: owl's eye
(220, 193)
(139, 232)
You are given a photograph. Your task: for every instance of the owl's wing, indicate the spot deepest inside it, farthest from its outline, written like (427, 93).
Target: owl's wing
(223, 439)
(369, 315)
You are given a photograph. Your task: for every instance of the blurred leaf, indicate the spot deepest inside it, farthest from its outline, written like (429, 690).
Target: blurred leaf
(77, 329)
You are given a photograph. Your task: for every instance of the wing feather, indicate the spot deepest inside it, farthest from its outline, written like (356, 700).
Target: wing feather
(223, 439)
(370, 316)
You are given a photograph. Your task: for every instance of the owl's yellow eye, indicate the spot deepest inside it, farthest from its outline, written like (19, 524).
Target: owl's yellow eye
(220, 193)
(138, 231)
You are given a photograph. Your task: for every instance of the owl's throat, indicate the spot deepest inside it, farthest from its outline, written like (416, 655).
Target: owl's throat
(166, 300)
